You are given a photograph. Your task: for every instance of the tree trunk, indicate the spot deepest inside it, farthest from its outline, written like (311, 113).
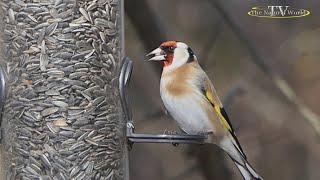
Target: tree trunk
(62, 118)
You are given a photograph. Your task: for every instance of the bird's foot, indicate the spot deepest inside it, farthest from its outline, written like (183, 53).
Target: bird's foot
(205, 133)
(170, 132)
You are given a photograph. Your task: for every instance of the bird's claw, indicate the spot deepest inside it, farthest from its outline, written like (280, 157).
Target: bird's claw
(205, 133)
(170, 132)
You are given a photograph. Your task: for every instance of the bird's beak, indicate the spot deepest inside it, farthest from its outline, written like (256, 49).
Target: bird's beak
(157, 55)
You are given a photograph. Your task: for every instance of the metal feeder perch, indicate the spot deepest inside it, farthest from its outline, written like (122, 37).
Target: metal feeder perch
(2, 94)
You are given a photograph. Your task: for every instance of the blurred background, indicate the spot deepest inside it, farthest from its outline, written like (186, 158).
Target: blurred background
(265, 70)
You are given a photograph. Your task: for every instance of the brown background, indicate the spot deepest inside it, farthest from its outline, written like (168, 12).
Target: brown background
(278, 140)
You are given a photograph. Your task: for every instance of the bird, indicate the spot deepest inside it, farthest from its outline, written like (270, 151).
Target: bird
(191, 99)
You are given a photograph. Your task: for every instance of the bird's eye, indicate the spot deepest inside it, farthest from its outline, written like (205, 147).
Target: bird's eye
(171, 48)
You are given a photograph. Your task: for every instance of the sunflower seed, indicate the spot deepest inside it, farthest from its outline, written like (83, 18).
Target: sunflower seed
(11, 16)
(49, 111)
(60, 104)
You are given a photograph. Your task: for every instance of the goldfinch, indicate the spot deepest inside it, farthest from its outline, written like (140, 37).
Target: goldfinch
(190, 98)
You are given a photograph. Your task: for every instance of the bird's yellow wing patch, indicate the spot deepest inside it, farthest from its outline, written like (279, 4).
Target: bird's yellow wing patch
(211, 95)
(223, 120)
(222, 115)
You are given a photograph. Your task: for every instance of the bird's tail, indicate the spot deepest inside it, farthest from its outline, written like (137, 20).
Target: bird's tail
(232, 147)
(247, 172)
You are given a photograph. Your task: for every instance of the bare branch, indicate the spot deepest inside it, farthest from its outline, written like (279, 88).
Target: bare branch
(311, 118)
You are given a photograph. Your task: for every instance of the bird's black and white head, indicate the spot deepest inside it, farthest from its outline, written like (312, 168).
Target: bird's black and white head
(173, 54)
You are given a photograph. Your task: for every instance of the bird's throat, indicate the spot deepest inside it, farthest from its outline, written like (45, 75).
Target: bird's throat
(168, 60)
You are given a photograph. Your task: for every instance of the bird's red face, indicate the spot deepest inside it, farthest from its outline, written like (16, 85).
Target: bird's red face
(164, 53)
(173, 54)
(168, 47)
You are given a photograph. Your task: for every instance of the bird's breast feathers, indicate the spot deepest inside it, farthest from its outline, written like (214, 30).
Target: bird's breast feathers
(184, 101)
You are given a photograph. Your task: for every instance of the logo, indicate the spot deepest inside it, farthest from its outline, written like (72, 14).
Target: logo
(278, 12)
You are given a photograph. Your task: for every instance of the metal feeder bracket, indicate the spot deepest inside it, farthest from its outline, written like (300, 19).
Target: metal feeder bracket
(2, 95)
(132, 137)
